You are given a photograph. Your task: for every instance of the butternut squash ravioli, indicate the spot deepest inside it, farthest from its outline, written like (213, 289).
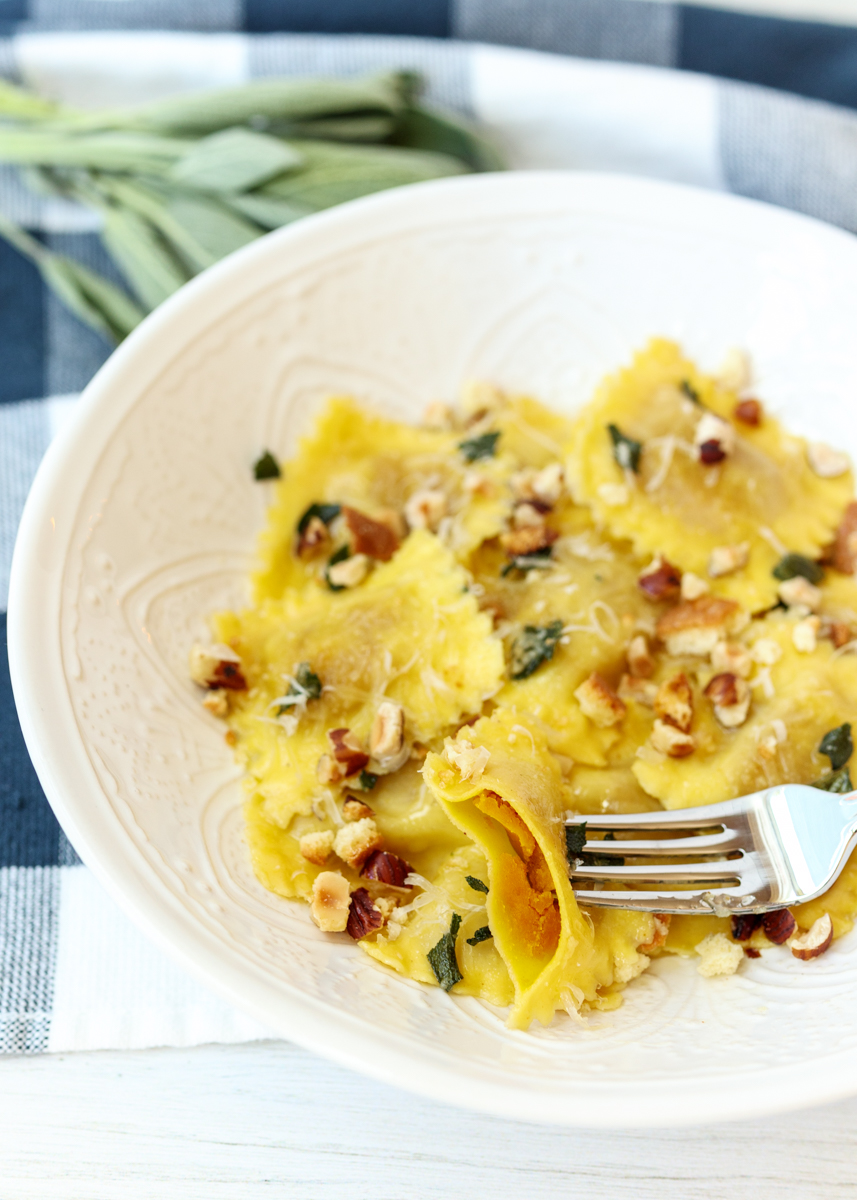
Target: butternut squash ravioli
(461, 633)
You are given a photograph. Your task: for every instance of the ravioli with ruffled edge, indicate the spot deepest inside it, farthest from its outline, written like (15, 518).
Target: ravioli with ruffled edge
(462, 633)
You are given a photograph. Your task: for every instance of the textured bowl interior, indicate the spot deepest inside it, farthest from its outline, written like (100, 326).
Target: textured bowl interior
(144, 516)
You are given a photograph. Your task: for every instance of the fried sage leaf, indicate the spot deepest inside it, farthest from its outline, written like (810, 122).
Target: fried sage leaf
(266, 467)
(625, 450)
(483, 446)
(838, 745)
(481, 935)
(839, 782)
(575, 840)
(791, 565)
(324, 512)
(534, 645)
(476, 884)
(442, 958)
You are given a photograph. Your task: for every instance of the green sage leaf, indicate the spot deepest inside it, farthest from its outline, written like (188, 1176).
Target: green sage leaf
(266, 467)
(151, 269)
(791, 565)
(483, 446)
(445, 134)
(839, 782)
(442, 959)
(534, 645)
(477, 884)
(575, 840)
(234, 160)
(481, 935)
(625, 450)
(838, 745)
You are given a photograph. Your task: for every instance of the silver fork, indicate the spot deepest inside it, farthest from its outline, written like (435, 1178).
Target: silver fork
(774, 848)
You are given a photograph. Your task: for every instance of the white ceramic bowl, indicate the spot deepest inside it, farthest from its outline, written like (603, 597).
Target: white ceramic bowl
(143, 518)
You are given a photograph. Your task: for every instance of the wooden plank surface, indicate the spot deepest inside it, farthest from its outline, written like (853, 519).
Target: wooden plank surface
(267, 1119)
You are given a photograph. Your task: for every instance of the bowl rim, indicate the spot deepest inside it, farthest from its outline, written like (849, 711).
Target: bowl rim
(73, 790)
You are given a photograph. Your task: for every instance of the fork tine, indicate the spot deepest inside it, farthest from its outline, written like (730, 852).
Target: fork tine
(704, 817)
(667, 901)
(706, 873)
(724, 842)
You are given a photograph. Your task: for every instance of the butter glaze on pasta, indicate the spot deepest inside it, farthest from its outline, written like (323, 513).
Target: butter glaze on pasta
(496, 628)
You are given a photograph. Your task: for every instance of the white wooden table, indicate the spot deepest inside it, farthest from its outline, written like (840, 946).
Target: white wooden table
(267, 1119)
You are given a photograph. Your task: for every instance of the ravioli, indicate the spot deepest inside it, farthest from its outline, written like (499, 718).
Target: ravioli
(763, 494)
(411, 633)
(796, 700)
(461, 633)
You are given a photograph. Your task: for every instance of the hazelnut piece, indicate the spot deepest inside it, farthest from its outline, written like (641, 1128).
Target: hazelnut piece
(748, 412)
(363, 916)
(384, 867)
(330, 902)
(815, 941)
(660, 581)
(778, 925)
(674, 702)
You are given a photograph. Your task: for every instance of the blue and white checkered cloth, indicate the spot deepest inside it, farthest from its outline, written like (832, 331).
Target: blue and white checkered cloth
(73, 973)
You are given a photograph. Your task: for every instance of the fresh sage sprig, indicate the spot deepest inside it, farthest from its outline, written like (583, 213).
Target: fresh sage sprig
(180, 183)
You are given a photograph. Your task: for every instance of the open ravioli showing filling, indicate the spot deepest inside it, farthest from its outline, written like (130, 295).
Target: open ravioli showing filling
(462, 633)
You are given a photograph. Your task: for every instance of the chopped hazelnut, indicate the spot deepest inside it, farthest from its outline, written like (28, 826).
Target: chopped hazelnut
(695, 627)
(545, 485)
(666, 739)
(347, 751)
(674, 703)
(730, 696)
(826, 462)
(438, 415)
(425, 509)
(477, 397)
(350, 572)
(355, 810)
(217, 702)
(370, 537)
(735, 372)
(520, 542)
(749, 412)
(660, 581)
(778, 925)
(527, 516)
(805, 635)
(317, 847)
(477, 483)
(329, 770)
(364, 915)
(837, 631)
(744, 925)
(732, 657)
(799, 591)
(724, 560)
(643, 691)
(815, 941)
(384, 867)
(692, 586)
(314, 539)
(356, 841)
(843, 553)
(599, 702)
(766, 652)
(330, 901)
(216, 666)
(386, 741)
(640, 661)
(714, 439)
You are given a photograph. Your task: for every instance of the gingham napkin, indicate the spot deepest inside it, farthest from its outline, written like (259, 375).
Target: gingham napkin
(74, 973)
